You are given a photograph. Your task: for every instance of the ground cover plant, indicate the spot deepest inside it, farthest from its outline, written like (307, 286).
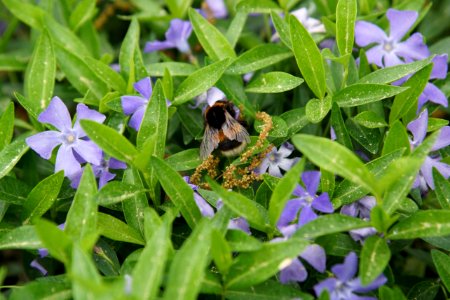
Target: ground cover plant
(224, 149)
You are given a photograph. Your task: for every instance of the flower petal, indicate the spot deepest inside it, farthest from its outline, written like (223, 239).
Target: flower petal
(105, 176)
(418, 128)
(116, 164)
(85, 113)
(204, 207)
(285, 149)
(65, 160)
(89, 151)
(400, 22)
(130, 104)
(427, 170)
(295, 272)
(347, 270)
(35, 264)
(311, 179)
(144, 87)
(262, 168)
(367, 33)
(315, 256)
(391, 59)
(44, 142)
(443, 139)
(57, 115)
(287, 163)
(440, 67)
(289, 212)
(379, 281)
(306, 216)
(158, 45)
(328, 284)
(413, 48)
(433, 94)
(178, 33)
(218, 8)
(375, 55)
(136, 118)
(239, 223)
(274, 170)
(350, 209)
(213, 95)
(322, 203)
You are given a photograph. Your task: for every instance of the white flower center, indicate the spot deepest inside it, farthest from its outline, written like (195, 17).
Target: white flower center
(388, 46)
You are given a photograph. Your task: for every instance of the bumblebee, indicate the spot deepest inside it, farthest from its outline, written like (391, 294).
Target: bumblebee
(223, 130)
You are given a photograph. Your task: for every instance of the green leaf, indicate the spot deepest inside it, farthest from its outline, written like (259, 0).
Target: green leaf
(83, 274)
(295, 119)
(7, 125)
(283, 191)
(442, 189)
(107, 74)
(221, 252)
(442, 264)
(212, 40)
(127, 52)
(370, 119)
(233, 87)
(117, 230)
(79, 73)
(279, 127)
(146, 281)
(339, 127)
(51, 287)
(424, 290)
(112, 142)
(317, 109)
(40, 75)
(178, 191)
(199, 81)
(13, 191)
(345, 25)
(81, 220)
(42, 197)
(116, 192)
(396, 138)
(391, 74)
(282, 29)
(338, 244)
(184, 160)
(178, 8)
(425, 223)
(255, 214)
(269, 289)
(328, 224)
(347, 192)
(133, 208)
(257, 266)
(23, 237)
(335, 158)
(12, 62)
(31, 15)
(359, 94)
(273, 82)
(84, 11)
(259, 57)
(175, 69)
(308, 57)
(235, 29)
(11, 154)
(366, 137)
(406, 101)
(375, 256)
(257, 6)
(54, 239)
(188, 265)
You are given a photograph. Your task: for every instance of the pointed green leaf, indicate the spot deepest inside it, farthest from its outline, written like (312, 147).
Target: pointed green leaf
(133, 208)
(273, 82)
(42, 197)
(366, 137)
(175, 69)
(31, 15)
(107, 74)
(442, 188)
(23, 237)
(335, 158)
(345, 25)
(375, 256)
(442, 264)
(117, 230)
(84, 11)
(282, 29)
(112, 142)
(425, 223)
(7, 125)
(11, 154)
(212, 40)
(54, 239)
(178, 191)
(188, 265)
(221, 252)
(370, 119)
(84, 274)
(257, 6)
(317, 109)
(339, 127)
(359, 94)
(396, 138)
(308, 57)
(127, 53)
(199, 81)
(40, 75)
(283, 192)
(185, 160)
(116, 192)
(235, 29)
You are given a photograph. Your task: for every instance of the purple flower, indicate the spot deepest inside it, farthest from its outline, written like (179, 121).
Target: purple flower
(345, 285)
(73, 140)
(305, 202)
(311, 25)
(209, 97)
(101, 171)
(431, 92)
(216, 8)
(176, 37)
(276, 160)
(136, 105)
(295, 271)
(360, 209)
(389, 50)
(418, 128)
(205, 209)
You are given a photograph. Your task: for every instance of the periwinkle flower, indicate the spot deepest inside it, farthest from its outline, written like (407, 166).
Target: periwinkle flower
(73, 140)
(360, 209)
(306, 202)
(431, 92)
(276, 160)
(205, 208)
(418, 128)
(176, 37)
(216, 8)
(312, 25)
(390, 50)
(209, 97)
(345, 285)
(136, 105)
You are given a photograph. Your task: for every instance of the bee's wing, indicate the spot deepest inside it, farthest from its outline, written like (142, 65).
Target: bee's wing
(233, 130)
(210, 141)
